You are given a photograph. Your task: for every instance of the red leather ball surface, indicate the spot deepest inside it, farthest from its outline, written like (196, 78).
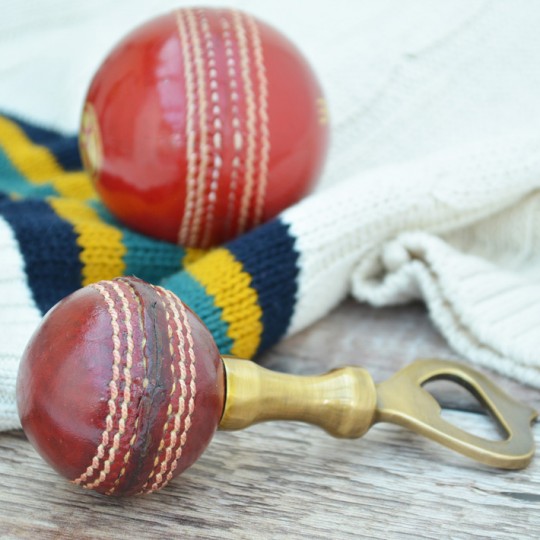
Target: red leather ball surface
(121, 388)
(202, 124)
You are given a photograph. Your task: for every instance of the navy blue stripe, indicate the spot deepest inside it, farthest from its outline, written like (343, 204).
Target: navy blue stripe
(65, 148)
(49, 247)
(268, 255)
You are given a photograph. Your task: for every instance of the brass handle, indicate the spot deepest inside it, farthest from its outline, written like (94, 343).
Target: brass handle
(342, 401)
(346, 403)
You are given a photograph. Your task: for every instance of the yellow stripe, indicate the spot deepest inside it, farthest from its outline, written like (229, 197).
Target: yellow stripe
(102, 249)
(192, 255)
(39, 166)
(223, 278)
(74, 185)
(32, 160)
(101, 244)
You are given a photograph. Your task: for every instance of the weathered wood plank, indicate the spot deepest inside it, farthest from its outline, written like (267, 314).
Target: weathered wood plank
(294, 481)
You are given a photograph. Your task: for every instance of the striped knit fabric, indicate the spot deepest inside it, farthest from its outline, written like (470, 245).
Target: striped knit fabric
(67, 239)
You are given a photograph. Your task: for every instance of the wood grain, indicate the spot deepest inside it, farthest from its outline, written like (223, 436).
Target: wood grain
(292, 480)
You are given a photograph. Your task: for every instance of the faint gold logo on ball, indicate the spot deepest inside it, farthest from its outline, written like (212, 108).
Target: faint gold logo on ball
(322, 111)
(90, 141)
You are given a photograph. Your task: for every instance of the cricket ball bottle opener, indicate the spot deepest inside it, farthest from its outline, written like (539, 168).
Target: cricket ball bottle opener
(122, 387)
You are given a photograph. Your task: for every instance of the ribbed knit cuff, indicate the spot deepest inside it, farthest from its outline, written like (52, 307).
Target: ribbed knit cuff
(19, 317)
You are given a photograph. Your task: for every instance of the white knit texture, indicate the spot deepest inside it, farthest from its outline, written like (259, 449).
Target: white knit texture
(432, 105)
(19, 317)
(460, 229)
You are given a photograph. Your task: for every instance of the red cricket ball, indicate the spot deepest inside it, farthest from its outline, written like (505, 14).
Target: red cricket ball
(201, 124)
(121, 387)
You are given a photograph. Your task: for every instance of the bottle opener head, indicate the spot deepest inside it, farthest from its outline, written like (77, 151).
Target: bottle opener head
(403, 400)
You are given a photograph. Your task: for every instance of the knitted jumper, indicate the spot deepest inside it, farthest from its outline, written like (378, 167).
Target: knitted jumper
(55, 236)
(425, 201)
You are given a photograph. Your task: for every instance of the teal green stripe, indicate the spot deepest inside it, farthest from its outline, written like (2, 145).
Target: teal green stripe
(12, 181)
(146, 258)
(193, 294)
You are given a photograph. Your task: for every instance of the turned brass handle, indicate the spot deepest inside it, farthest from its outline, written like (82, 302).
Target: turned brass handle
(346, 403)
(342, 401)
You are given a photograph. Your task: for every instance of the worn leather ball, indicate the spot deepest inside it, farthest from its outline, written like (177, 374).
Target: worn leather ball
(121, 387)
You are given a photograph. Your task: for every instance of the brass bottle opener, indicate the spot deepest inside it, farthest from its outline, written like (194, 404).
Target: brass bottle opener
(155, 389)
(346, 403)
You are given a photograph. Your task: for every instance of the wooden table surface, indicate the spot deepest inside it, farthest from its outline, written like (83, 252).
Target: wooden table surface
(289, 480)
